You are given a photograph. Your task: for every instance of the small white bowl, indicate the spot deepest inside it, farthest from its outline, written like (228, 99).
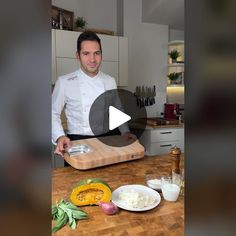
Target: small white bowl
(154, 183)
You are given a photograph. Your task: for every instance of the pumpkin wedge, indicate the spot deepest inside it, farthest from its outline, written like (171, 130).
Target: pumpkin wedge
(90, 192)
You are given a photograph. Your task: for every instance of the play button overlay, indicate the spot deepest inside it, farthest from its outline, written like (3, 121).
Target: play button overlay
(116, 112)
(117, 118)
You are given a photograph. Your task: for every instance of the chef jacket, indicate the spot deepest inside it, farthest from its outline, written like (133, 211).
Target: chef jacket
(76, 92)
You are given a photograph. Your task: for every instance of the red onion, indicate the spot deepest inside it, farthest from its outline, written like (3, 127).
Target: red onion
(108, 208)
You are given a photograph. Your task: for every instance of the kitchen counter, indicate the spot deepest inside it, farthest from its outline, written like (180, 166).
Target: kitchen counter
(166, 219)
(150, 127)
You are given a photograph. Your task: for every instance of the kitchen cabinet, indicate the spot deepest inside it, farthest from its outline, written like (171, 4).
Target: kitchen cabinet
(66, 45)
(177, 67)
(54, 75)
(115, 55)
(158, 141)
(67, 65)
(123, 62)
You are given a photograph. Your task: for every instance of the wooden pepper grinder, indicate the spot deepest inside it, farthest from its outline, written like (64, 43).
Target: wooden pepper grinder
(175, 170)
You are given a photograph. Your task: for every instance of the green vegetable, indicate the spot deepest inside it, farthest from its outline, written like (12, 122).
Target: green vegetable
(65, 212)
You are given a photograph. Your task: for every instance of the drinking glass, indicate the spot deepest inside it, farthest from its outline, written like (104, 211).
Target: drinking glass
(170, 191)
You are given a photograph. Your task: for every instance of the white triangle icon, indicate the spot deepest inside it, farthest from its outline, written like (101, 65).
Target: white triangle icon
(117, 118)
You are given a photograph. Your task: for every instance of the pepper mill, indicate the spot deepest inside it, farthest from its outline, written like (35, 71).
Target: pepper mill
(175, 154)
(175, 170)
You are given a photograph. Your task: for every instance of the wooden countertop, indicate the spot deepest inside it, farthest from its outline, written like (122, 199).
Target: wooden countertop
(153, 127)
(166, 219)
(149, 127)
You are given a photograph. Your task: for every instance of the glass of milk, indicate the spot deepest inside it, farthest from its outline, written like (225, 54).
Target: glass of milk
(170, 191)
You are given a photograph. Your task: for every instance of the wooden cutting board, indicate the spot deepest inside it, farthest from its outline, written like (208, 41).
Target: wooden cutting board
(102, 154)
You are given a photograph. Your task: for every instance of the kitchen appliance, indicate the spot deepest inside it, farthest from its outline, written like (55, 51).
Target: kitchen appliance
(171, 111)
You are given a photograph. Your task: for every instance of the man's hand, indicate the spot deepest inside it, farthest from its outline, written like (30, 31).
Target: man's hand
(62, 143)
(129, 136)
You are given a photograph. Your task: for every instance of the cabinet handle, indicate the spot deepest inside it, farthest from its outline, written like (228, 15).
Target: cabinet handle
(168, 132)
(165, 145)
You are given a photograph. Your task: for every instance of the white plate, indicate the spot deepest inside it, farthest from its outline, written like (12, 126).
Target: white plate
(139, 188)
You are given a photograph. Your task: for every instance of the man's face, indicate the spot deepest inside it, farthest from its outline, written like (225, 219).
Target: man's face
(90, 57)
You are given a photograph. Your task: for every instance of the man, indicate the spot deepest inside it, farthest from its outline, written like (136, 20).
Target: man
(77, 91)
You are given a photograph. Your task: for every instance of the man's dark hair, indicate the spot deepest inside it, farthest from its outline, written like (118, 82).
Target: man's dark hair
(87, 36)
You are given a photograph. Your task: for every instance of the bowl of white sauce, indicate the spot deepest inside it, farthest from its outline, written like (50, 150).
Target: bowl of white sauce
(153, 181)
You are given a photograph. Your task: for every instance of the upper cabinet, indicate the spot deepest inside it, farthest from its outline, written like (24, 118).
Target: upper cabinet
(54, 75)
(66, 43)
(114, 50)
(175, 76)
(123, 61)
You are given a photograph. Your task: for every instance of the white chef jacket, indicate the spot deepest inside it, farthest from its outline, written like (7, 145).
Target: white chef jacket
(76, 92)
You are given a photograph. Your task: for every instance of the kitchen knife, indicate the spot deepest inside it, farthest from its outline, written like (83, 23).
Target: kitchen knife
(137, 95)
(154, 94)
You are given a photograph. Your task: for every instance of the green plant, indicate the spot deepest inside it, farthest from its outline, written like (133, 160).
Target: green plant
(173, 76)
(80, 22)
(174, 54)
(65, 212)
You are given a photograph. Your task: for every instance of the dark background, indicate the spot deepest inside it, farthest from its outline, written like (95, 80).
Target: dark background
(210, 128)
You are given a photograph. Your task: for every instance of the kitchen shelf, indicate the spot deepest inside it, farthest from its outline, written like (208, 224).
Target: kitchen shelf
(175, 42)
(175, 85)
(176, 65)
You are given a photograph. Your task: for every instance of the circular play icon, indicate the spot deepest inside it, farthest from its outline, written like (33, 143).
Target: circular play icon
(116, 112)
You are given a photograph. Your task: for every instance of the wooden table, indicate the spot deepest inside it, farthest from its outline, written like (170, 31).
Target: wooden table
(166, 219)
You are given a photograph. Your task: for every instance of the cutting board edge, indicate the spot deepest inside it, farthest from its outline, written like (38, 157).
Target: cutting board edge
(77, 164)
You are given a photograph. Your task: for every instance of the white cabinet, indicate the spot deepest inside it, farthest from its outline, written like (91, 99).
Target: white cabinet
(114, 50)
(176, 69)
(54, 74)
(68, 65)
(123, 62)
(158, 141)
(109, 47)
(111, 68)
(66, 43)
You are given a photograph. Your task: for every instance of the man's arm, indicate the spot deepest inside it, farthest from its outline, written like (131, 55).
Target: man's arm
(58, 135)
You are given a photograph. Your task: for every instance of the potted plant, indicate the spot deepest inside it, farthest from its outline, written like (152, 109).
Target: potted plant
(80, 23)
(173, 77)
(174, 54)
